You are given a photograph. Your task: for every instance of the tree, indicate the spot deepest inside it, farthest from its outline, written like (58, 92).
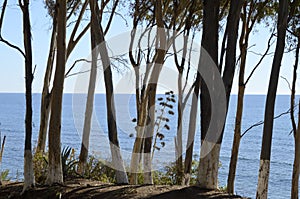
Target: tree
(98, 36)
(28, 167)
(72, 7)
(55, 174)
(252, 13)
(27, 54)
(145, 96)
(91, 90)
(296, 130)
(209, 163)
(294, 40)
(264, 169)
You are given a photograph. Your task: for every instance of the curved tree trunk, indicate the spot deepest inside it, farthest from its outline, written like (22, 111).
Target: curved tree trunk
(28, 166)
(55, 174)
(264, 169)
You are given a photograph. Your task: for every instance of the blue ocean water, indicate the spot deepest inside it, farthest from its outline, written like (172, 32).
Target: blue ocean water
(12, 112)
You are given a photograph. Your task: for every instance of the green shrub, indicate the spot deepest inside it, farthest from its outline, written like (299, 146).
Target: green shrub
(4, 175)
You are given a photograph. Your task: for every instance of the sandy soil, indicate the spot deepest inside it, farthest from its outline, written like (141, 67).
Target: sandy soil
(93, 189)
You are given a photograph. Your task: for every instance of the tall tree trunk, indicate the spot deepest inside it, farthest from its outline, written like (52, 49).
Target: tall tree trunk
(55, 174)
(296, 130)
(209, 164)
(178, 139)
(28, 166)
(89, 103)
(191, 134)
(46, 95)
(138, 143)
(264, 169)
(121, 176)
(240, 105)
(296, 167)
(152, 88)
(207, 173)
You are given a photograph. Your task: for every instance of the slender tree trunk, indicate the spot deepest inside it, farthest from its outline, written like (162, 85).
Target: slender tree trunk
(55, 174)
(46, 95)
(236, 141)
(89, 104)
(296, 130)
(118, 164)
(264, 169)
(295, 178)
(239, 113)
(191, 134)
(178, 139)
(28, 166)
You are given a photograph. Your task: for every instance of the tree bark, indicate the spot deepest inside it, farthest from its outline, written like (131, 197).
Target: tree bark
(264, 169)
(178, 139)
(191, 134)
(209, 164)
(206, 176)
(46, 95)
(240, 105)
(296, 130)
(55, 174)
(118, 164)
(28, 166)
(89, 104)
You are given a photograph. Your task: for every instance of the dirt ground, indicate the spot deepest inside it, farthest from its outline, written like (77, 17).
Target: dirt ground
(93, 189)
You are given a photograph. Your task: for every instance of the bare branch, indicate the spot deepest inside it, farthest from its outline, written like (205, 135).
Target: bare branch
(1, 38)
(287, 81)
(262, 58)
(262, 122)
(111, 17)
(74, 64)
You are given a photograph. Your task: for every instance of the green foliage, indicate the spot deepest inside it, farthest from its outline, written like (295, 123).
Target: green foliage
(4, 175)
(68, 162)
(40, 167)
(99, 170)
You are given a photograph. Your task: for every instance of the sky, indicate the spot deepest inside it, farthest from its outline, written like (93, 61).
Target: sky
(12, 63)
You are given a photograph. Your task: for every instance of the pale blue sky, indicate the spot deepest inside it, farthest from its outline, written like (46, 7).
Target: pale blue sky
(12, 63)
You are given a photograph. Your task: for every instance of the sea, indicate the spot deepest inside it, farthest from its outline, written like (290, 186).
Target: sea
(12, 125)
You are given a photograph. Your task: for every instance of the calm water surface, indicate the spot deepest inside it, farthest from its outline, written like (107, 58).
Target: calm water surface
(12, 111)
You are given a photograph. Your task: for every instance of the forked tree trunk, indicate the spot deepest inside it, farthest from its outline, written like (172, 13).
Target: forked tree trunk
(46, 95)
(117, 161)
(264, 169)
(209, 164)
(89, 104)
(28, 166)
(55, 174)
